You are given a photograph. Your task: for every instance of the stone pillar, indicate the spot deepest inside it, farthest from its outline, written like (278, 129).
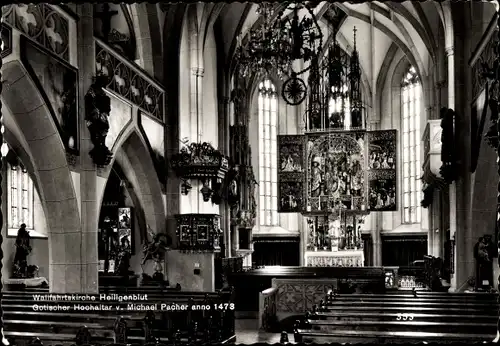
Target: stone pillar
(88, 175)
(79, 271)
(458, 277)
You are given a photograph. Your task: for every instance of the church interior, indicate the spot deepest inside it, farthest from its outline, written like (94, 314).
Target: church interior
(242, 172)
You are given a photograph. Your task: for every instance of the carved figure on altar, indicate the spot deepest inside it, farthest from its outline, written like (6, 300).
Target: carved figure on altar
(337, 120)
(23, 249)
(98, 108)
(251, 192)
(123, 257)
(343, 239)
(350, 239)
(331, 178)
(316, 177)
(356, 118)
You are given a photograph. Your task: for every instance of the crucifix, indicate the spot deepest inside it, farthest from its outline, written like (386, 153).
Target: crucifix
(105, 17)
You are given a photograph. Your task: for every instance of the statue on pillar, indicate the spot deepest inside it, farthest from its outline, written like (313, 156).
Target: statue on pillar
(23, 249)
(98, 107)
(484, 262)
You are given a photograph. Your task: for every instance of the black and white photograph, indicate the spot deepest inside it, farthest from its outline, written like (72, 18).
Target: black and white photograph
(249, 172)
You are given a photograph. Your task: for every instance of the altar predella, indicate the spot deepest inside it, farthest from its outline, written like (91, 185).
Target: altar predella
(321, 172)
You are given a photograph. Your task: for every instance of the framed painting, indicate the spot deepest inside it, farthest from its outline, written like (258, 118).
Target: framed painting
(382, 149)
(382, 191)
(382, 170)
(290, 153)
(125, 234)
(290, 196)
(57, 82)
(290, 173)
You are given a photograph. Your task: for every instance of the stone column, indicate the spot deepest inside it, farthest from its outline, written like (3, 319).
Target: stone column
(458, 277)
(87, 264)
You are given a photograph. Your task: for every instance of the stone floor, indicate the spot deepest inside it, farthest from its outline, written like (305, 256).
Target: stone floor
(247, 332)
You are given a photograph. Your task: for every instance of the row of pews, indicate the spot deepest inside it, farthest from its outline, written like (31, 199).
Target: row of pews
(414, 316)
(26, 322)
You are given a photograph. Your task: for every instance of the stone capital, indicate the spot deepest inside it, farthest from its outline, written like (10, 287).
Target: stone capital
(198, 71)
(449, 51)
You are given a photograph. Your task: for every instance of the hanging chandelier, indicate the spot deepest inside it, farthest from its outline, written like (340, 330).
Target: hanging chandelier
(277, 43)
(335, 100)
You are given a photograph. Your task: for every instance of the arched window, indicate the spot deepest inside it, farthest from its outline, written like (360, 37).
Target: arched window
(268, 173)
(411, 92)
(20, 195)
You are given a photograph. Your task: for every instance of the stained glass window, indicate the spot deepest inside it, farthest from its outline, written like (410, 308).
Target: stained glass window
(268, 174)
(21, 199)
(411, 98)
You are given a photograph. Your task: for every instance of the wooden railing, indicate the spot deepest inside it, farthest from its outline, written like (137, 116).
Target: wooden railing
(130, 81)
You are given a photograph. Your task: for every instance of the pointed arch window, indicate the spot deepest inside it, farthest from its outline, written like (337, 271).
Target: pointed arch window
(411, 98)
(20, 195)
(268, 173)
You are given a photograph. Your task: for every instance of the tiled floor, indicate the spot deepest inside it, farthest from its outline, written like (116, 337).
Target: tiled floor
(247, 332)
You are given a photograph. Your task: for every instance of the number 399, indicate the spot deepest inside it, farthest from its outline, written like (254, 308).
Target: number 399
(404, 317)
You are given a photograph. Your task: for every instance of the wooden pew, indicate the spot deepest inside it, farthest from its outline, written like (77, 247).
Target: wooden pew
(18, 308)
(399, 318)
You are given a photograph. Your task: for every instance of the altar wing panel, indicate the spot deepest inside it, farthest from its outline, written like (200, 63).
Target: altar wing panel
(382, 170)
(290, 173)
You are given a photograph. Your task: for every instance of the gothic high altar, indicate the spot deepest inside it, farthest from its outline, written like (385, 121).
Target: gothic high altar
(337, 171)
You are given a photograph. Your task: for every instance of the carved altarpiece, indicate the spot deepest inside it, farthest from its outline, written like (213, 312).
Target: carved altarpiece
(335, 178)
